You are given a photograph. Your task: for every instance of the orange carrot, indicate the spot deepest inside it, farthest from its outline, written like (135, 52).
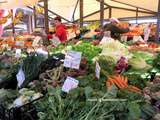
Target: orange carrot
(126, 80)
(134, 89)
(109, 85)
(120, 80)
(111, 81)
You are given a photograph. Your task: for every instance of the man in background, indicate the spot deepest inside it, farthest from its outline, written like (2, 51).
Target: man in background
(60, 30)
(115, 29)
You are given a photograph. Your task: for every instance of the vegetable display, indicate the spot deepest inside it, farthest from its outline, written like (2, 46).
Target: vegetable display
(78, 105)
(128, 87)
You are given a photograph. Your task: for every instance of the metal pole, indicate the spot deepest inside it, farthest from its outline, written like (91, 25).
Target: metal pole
(31, 24)
(35, 16)
(136, 15)
(13, 30)
(101, 12)
(46, 16)
(158, 22)
(28, 23)
(81, 13)
(75, 10)
(110, 12)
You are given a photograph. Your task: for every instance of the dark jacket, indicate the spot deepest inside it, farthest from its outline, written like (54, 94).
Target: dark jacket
(115, 30)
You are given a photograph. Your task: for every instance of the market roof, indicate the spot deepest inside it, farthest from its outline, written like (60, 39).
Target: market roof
(69, 9)
(9, 4)
(151, 5)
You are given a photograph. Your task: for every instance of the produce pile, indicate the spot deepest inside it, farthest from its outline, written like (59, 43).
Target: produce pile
(127, 88)
(15, 95)
(150, 47)
(118, 94)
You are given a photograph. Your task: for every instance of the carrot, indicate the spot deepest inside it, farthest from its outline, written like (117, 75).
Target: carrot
(126, 80)
(134, 89)
(123, 79)
(109, 85)
(124, 84)
(111, 80)
(120, 80)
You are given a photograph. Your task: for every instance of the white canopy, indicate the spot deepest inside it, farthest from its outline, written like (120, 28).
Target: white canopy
(9, 4)
(66, 8)
(69, 9)
(146, 4)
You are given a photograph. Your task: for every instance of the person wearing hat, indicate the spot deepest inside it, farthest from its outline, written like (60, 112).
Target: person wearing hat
(60, 29)
(114, 28)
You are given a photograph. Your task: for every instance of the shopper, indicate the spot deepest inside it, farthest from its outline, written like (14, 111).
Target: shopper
(114, 28)
(50, 35)
(60, 30)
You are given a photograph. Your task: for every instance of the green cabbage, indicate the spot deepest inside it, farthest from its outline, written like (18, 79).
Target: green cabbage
(139, 63)
(115, 49)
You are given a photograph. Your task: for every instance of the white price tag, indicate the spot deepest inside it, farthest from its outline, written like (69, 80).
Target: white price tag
(18, 53)
(71, 35)
(20, 77)
(97, 70)
(19, 43)
(36, 41)
(72, 59)
(42, 52)
(69, 84)
(55, 41)
(146, 34)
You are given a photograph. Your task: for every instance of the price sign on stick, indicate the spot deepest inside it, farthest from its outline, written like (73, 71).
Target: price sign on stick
(69, 84)
(36, 41)
(42, 52)
(20, 77)
(19, 43)
(55, 41)
(72, 59)
(146, 34)
(97, 70)
(18, 53)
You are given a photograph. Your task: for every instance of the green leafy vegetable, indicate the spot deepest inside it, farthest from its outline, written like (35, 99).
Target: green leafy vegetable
(88, 50)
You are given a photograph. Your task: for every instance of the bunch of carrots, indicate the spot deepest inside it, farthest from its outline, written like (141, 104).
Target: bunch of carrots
(122, 83)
